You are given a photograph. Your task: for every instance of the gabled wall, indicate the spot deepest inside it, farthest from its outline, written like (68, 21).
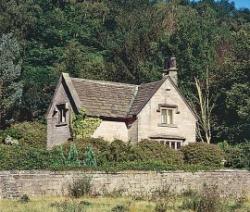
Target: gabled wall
(58, 134)
(149, 119)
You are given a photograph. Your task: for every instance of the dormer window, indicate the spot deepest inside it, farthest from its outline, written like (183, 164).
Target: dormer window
(62, 113)
(167, 116)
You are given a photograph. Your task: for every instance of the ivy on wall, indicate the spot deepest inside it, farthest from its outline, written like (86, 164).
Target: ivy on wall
(83, 126)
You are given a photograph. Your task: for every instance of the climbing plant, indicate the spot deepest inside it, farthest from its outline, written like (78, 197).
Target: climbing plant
(83, 126)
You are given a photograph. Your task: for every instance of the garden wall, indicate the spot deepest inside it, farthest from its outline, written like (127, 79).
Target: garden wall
(135, 183)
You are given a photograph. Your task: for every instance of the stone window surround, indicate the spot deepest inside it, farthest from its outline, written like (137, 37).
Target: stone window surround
(171, 107)
(57, 111)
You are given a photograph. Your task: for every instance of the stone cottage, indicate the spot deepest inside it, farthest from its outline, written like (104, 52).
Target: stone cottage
(156, 110)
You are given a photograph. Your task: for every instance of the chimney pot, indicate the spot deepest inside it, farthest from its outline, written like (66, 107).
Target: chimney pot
(170, 68)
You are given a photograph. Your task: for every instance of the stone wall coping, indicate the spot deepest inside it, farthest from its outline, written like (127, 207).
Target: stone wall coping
(74, 172)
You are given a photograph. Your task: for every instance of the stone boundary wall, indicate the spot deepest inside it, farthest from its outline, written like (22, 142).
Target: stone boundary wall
(14, 184)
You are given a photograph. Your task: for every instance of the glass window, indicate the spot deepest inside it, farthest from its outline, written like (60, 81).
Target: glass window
(62, 113)
(178, 145)
(167, 116)
(173, 145)
(164, 116)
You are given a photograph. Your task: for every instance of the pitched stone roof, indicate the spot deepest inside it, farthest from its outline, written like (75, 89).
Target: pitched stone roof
(112, 99)
(102, 98)
(144, 94)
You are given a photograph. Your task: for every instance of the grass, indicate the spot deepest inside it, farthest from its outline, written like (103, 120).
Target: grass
(103, 204)
(76, 205)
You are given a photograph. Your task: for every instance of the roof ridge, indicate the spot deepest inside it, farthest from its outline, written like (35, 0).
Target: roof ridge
(105, 82)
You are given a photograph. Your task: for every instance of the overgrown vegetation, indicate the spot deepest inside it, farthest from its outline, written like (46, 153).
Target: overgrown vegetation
(83, 126)
(208, 199)
(237, 156)
(97, 154)
(80, 187)
(31, 134)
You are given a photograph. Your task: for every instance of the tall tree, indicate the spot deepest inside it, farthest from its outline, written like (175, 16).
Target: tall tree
(10, 72)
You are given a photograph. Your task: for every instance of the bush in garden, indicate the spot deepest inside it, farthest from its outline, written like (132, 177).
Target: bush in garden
(73, 156)
(27, 133)
(203, 154)
(99, 146)
(118, 151)
(90, 160)
(17, 157)
(151, 150)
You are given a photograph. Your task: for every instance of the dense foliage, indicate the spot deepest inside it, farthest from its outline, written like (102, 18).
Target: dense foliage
(32, 134)
(237, 156)
(203, 154)
(125, 41)
(96, 154)
(83, 126)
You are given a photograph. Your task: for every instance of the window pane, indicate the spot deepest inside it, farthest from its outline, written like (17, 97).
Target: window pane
(178, 145)
(170, 117)
(164, 116)
(62, 113)
(173, 145)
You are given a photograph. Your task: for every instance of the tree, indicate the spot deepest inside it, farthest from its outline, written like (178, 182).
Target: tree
(205, 106)
(10, 72)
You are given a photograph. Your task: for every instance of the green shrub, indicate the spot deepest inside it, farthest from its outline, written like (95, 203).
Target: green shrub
(80, 187)
(203, 154)
(26, 158)
(100, 148)
(237, 156)
(118, 151)
(151, 150)
(27, 133)
(73, 156)
(90, 160)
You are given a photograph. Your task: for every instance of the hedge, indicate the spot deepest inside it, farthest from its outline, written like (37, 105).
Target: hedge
(26, 158)
(203, 154)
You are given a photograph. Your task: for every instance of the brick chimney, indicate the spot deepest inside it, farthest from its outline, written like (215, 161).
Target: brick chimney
(170, 69)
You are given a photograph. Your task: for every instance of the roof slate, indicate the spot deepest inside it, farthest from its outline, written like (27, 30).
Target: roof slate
(106, 99)
(112, 99)
(144, 94)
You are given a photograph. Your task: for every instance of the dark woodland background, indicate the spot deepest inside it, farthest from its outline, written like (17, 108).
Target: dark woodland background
(126, 41)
